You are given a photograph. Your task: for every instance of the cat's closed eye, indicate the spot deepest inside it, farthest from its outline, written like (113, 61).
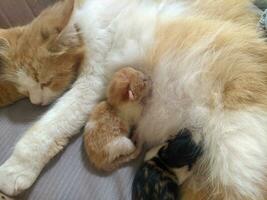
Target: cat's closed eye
(41, 59)
(47, 83)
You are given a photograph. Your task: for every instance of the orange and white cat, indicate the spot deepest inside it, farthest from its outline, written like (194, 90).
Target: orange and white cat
(106, 135)
(209, 72)
(40, 60)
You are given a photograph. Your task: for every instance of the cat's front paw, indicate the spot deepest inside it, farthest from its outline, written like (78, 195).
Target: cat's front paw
(15, 178)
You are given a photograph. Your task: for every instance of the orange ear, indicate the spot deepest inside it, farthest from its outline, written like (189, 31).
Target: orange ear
(54, 19)
(4, 46)
(66, 13)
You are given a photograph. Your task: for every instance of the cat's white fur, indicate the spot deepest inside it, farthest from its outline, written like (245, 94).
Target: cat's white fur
(121, 146)
(37, 94)
(118, 33)
(109, 46)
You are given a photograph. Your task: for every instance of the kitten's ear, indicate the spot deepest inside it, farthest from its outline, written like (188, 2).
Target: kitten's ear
(52, 21)
(131, 95)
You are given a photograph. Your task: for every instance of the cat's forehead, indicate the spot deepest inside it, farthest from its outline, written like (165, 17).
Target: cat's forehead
(22, 41)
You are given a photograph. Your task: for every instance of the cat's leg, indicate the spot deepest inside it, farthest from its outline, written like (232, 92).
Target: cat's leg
(8, 94)
(127, 150)
(121, 151)
(235, 146)
(121, 146)
(132, 153)
(49, 135)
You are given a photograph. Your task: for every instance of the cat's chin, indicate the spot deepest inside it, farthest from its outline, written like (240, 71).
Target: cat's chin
(43, 103)
(46, 103)
(45, 98)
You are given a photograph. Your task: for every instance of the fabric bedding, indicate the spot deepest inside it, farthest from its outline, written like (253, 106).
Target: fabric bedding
(69, 176)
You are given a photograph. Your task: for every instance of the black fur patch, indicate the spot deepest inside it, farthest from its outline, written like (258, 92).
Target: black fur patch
(261, 4)
(180, 150)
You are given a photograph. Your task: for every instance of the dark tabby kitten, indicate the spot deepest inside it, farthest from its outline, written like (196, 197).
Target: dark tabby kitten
(166, 167)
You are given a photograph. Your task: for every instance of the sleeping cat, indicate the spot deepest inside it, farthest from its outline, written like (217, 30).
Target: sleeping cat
(106, 135)
(209, 72)
(36, 62)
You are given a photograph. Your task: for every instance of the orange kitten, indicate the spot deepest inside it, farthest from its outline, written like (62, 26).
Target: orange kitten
(40, 60)
(106, 135)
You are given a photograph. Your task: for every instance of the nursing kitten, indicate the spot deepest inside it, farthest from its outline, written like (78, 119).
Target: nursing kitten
(106, 135)
(166, 167)
(39, 60)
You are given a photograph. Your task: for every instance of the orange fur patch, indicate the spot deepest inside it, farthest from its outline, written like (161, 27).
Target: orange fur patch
(47, 50)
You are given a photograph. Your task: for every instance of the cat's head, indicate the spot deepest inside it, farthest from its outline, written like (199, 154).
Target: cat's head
(42, 58)
(128, 85)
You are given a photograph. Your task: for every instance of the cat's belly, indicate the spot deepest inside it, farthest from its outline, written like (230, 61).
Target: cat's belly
(171, 108)
(123, 39)
(161, 120)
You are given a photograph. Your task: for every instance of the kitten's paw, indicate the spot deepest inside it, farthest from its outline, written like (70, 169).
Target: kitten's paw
(15, 178)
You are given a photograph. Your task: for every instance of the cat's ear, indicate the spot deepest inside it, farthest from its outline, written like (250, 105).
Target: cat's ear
(52, 21)
(4, 46)
(131, 95)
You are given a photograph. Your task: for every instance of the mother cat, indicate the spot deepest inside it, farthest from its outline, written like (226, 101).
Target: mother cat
(209, 71)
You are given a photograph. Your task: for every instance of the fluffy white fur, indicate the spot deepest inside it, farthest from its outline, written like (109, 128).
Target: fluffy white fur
(119, 33)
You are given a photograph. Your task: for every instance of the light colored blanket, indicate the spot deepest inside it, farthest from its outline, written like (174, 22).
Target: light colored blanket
(69, 176)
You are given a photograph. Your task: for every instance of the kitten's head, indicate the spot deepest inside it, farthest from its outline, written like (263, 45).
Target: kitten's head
(43, 57)
(181, 150)
(128, 85)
